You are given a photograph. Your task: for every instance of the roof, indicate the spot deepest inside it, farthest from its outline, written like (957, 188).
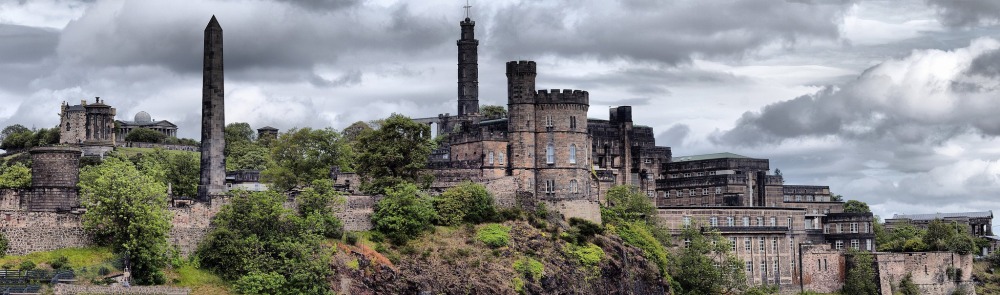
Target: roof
(76, 108)
(267, 128)
(982, 214)
(162, 123)
(709, 157)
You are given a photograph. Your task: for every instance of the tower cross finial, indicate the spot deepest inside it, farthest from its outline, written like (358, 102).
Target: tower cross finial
(467, 7)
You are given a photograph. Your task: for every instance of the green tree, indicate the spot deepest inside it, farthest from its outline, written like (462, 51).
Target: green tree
(352, 132)
(15, 176)
(23, 139)
(903, 238)
(907, 287)
(181, 170)
(247, 155)
(403, 214)
(467, 202)
(265, 248)
(316, 207)
(627, 203)
(145, 135)
(16, 128)
(303, 155)
(695, 270)
(238, 132)
(949, 236)
(493, 112)
(860, 274)
(855, 206)
(127, 211)
(394, 153)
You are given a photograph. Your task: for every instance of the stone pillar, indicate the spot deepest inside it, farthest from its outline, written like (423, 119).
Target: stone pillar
(213, 162)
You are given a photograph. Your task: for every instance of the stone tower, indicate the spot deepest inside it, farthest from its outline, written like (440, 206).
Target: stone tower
(213, 119)
(521, 124)
(468, 70)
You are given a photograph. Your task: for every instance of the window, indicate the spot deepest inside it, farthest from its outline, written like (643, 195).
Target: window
(825, 264)
(789, 223)
(840, 228)
(864, 227)
(746, 221)
(714, 221)
(572, 153)
(761, 244)
(550, 186)
(647, 161)
(854, 227)
(687, 174)
(550, 154)
(855, 245)
(500, 158)
(573, 186)
(732, 242)
(826, 228)
(548, 121)
(691, 192)
(774, 244)
(718, 190)
(868, 244)
(729, 221)
(679, 193)
(687, 221)
(704, 191)
(763, 267)
(775, 269)
(701, 173)
(838, 245)
(491, 158)
(749, 267)
(687, 243)
(774, 221)
(760, 221)
(798, 198)
(746, 245)
(572, 122)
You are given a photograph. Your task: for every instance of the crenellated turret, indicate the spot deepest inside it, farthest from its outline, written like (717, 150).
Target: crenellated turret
(521, 82)
(562, 96)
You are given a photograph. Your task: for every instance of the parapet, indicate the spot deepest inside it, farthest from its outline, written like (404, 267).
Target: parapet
(55, 166)
(563, 96)
(521, 67)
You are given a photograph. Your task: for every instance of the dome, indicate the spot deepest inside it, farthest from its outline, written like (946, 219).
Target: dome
(143, 117)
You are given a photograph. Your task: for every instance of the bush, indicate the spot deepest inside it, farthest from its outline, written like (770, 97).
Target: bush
(907, 287)
(103, 271)
(586, 228)
(145, 135)
(588, 255)
(27, 265)
(351, 238)
(403, 214)
(637, 234)
(467, 202)
(529, 268)
(494, 235)
(60, 263)
(3, 245)
(260, 283)
(517, 284)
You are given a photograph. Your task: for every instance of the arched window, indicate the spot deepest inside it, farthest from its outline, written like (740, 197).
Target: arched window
(572, 186)
(550, 154)
(491, 158)
(572, 154)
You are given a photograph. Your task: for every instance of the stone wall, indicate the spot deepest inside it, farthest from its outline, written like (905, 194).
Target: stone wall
(823, 269)
(67, 289)
(41, 231)
(586, 209)
(10, 200)
(192, 223)
(356, 212)
(928, 270)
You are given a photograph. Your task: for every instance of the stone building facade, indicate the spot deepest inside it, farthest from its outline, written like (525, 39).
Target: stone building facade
(87, 124)
(980, 224)
(142, 119)
(624, 153)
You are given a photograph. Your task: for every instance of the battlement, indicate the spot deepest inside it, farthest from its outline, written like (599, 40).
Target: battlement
(521, 67)
(563, 96)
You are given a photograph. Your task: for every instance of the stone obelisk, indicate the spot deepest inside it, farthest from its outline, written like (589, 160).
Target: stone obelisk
(213, 119)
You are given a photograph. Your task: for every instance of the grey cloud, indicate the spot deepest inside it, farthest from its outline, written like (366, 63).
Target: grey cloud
(674, 136)
(900, 101)
(348, 79)
(23, 44)
(661, 31)
(987, 65)
(323, 4)
(966, 13)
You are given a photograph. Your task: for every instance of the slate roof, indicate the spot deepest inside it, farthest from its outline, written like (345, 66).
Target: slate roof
(982, 214)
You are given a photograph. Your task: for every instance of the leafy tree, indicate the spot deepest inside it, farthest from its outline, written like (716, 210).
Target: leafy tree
(860, 274)
(836, 198)
(145, 135)
(392, 154)
(181, 141)
(855, 206)
(493, 112)
(239, 132)
(316, 206)
(19, 140)
(46, 137)
(127, 211)
(15, 176)
(403, 214)
(182, 171)
(265, 248)
(903, 238)
(352, 132)
(627, 203)
(907, 287)
(247, 155)
(949, 236)
(467, 202)
(301, 156)
(694, 267)
(12, 129)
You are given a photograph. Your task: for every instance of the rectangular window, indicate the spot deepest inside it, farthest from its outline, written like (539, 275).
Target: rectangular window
(746, 221)
(789, 223)
(647, 161)
(691, 192)
(761, 244)
(572, 122)
(746, 245)
(718, 190)
(732, 242)
(826, 228)
(548, 121)
(729, 221)
(775, 269)
(760, 221)
(854, 227)
(868, 244)
(855, 245)
(714, 221)
(687, 243)
(704, 191)
(749, 267)
(687, 221)
(838, 245)
(773, 221)
(763, 267)
(840, 228)
(774, 244)
(550, 186)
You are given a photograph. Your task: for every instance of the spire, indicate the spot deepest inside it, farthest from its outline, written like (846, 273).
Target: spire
(214, 23)
(467, 8)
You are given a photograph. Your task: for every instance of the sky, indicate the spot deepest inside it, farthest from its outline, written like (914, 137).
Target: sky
(894, 103)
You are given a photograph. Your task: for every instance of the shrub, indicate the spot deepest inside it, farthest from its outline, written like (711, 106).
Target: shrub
(587, 255)
(60, 263)
(529, 268)
(260, 283)
(351, 238)
(494, 235)
(587, 228)
(518, 285)
(3, 246)
(27, 265)
(103, 271)
(467, 202)
(403, 214)
(907, 287)
(637, 234)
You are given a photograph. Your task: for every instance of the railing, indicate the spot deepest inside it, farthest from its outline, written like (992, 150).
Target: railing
(747, 229)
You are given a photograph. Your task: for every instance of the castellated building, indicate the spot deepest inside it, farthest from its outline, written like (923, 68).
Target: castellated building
(87, 124)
